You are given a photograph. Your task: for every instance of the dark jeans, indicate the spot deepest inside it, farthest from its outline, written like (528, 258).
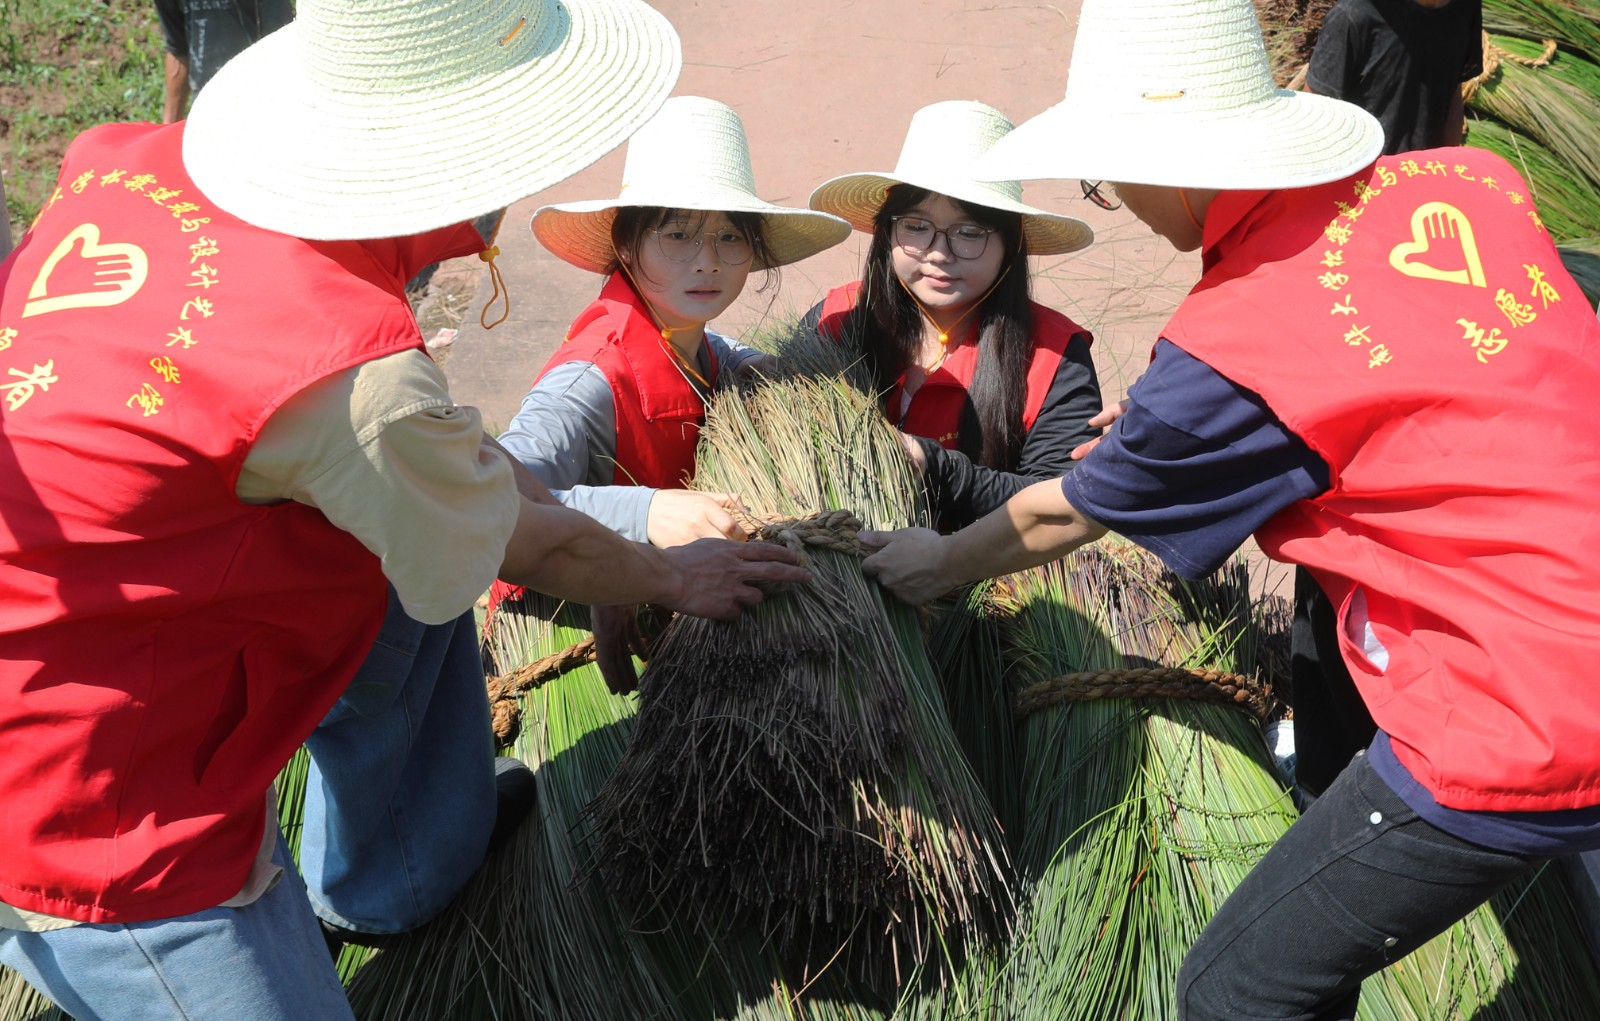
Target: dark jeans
(1356, 884)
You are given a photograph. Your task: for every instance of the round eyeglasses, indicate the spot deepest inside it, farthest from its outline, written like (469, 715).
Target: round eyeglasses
(917, 235)
(681, 245)
(1092, 192)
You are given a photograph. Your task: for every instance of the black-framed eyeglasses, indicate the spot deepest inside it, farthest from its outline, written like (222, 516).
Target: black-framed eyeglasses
(682, 245)
(917, 235)
(1092, 192)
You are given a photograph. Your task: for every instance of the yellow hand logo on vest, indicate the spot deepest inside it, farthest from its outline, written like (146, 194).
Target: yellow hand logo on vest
(1439, 221)
(115, 272)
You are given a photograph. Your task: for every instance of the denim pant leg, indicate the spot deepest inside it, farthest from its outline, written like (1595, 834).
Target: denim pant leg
(400, 795)
(263, 962)
(1358, 882)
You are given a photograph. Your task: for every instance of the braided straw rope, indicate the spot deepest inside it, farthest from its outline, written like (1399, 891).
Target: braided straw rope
(835, 530)
(504, 688)
(1147, 682)
(1493, 55)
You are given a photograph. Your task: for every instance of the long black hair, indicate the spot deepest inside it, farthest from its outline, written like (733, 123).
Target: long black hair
(632, 222)
(889, 325)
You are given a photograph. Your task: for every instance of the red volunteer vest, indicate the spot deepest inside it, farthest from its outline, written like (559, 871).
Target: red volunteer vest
(164, 647)
(657, 413)
(1414, 325)
(935, 410)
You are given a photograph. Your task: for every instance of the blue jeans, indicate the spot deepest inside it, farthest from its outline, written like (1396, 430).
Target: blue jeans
(399, 805)
(400, 797)
(1357, 883)
(262, 962)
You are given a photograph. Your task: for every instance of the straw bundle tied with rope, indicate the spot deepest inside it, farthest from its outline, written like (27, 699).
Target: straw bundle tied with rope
(1143, 814)
(795, 770)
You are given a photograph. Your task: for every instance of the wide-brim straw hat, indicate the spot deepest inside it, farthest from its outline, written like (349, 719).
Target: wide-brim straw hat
(382, 118)
(1181, 94)
(941, 149)
(692, 155)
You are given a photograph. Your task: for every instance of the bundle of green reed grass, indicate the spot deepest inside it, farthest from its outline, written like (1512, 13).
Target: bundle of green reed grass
(1117, 873)
(533, 936)
(537, 934)
(1144, 814)
(1574, 25)
(795, 771)
(1550, 96)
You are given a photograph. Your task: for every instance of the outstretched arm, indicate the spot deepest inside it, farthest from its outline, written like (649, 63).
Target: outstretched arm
(1034, 527)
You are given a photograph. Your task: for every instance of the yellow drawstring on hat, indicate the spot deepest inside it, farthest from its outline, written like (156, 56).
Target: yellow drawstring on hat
(488, 255)
(1183, 196)
(500, 291)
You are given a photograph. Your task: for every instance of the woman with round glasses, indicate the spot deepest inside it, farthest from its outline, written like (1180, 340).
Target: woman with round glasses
(993, 390)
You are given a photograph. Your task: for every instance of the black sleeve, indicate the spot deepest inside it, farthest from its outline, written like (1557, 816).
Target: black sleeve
(1336, 59)
(174, 27)
(811, 320)
(1472, 42)
(962, 492)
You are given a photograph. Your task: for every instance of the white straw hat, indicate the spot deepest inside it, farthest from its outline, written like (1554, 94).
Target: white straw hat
(381, 118)
(941, 148)
(692, 155)
(1180, 93)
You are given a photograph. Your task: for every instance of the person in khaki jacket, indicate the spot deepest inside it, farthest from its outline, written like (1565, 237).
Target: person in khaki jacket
(239, 510)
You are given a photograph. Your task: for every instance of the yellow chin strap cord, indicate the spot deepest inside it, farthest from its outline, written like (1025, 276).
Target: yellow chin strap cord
(500, 293)
(944, 332)
(1183, 196)
(666, 331)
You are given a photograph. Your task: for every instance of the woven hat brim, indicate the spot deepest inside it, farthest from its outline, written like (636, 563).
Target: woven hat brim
(264, 146)
(580, 232)
(1294, 140)
(857, 198)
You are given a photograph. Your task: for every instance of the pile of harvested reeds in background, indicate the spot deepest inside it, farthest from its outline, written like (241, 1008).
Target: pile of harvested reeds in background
(1537, 104)
(794, 771)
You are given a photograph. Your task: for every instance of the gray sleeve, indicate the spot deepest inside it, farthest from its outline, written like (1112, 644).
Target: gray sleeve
(566, 433)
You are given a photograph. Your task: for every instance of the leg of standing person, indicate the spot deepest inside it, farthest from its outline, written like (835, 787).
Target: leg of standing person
(265, 961)
(400, 799)
(1356, 884)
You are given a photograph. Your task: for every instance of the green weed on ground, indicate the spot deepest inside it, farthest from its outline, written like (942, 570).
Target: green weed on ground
(66, 65)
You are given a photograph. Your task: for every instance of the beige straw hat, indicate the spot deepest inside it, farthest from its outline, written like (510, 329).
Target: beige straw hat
(941, 147)
(381, 118)
(692, 155)
(1180, 93)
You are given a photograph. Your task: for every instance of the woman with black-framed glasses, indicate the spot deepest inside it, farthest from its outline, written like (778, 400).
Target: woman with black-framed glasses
(992, 390)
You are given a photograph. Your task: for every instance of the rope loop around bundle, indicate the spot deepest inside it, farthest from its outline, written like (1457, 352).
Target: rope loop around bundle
(504, 689)
(1147, 682)
(1493, 56)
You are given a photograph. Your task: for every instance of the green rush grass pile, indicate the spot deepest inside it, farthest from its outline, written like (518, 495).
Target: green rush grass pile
(1144, 814)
